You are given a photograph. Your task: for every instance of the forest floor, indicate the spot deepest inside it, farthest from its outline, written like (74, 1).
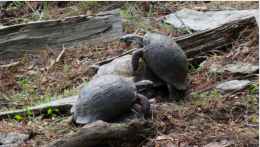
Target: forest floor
(204, 116)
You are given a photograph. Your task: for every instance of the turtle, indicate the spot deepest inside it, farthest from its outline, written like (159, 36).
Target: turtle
(165, 57)
(106, 97)
(122, 66)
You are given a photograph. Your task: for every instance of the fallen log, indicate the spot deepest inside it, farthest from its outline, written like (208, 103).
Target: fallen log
(16, 40)
(63, 105)
(203, 41)
(101, 133)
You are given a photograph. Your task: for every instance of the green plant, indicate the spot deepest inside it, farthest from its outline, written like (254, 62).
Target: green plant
(192, 67)
(45, 5)
(82, 5)
(18, 117)
(108, 57)
(195, 95)
(9, 117)
(24, 58)
(95, 3)
(46, 15)
(182, 102)
(252, 91)
(150, 11)
(49, 97)
(143, 22)
(28, 111)
(50, 113)
(202, 64)
(215, 93)
(165, 26)
(76, 11)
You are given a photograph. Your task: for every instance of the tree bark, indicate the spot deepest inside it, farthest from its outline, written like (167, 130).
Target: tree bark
(100, 133)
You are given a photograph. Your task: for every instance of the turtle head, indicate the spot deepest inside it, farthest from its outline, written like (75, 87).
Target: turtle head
(126, 39)
(129, 38)
(94, 69)
(143, 85)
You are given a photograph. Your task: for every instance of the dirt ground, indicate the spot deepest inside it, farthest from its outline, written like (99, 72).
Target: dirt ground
(204, 116)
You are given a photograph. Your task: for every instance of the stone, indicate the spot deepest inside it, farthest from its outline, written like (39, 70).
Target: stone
(231, 86)
(12, 139)
(239, 67)
(198, 21)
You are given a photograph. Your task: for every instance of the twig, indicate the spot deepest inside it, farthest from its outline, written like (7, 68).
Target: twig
(23, 9)
(35, 11)
(240, 35)
(138, 114)
(136, 31)
(41, 16)
(11, 64)
(58, 120)
(175, 15)
(57, 60)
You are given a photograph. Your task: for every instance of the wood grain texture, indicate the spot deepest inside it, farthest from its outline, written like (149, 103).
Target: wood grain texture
(101, 133)
(63, 105)
(207, 40)
(17, 39)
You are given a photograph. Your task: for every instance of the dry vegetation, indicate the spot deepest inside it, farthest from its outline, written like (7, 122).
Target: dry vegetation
(204, 116)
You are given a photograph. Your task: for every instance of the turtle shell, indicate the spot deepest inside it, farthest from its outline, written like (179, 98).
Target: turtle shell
(166, 58)
(123, 67)
(104, 98)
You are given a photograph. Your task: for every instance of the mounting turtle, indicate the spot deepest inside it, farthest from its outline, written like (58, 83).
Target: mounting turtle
(106, 97)
(165, 57)
(122, 66)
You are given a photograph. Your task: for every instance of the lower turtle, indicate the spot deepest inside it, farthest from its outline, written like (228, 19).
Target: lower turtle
(106, 97)
(165, 57)
(122, 66)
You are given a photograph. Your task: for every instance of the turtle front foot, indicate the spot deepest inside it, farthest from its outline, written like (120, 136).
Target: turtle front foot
(173, 93)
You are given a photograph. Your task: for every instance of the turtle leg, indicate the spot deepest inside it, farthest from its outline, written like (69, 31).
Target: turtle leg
(144, 102)
(173, 93)
(135, 58)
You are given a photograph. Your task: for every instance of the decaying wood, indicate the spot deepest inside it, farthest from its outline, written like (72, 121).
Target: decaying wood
(211, 39)
(17, 39)
(63, 105)
(100, 133)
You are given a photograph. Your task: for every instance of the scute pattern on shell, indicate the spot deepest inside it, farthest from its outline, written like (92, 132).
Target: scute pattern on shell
(166, 59)
(104, 98)
(123, 67)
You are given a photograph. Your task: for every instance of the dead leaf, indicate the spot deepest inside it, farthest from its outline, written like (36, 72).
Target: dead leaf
(208, 63)
(31, 72)
(163, 138)
(30, 67)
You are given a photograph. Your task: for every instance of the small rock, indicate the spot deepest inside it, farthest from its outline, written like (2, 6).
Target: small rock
(238, 67)
(12, 139)
(231, 86)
